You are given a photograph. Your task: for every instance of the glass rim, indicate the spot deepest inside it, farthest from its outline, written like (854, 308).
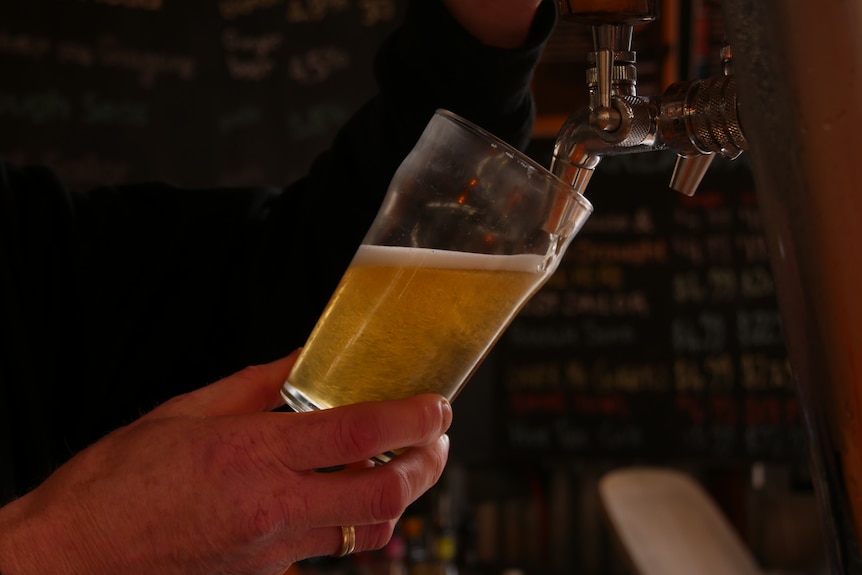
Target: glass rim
(443, 112)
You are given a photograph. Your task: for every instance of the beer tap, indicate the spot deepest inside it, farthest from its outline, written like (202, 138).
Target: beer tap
(697, 119)
(798, 70)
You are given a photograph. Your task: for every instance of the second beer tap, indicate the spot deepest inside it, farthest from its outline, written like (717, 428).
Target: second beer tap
(697, 119)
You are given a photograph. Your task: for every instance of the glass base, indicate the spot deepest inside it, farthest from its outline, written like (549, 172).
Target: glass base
(300, 402)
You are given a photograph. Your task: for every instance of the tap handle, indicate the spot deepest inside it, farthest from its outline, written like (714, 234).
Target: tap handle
(608, 39)
(689, 171)
(596, 12)
(604, 73)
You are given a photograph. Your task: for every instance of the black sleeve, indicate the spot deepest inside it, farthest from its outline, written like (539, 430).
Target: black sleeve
(111, 301)
(118, 298)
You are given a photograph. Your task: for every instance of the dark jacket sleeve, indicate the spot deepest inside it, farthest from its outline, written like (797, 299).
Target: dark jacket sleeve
(116, 299)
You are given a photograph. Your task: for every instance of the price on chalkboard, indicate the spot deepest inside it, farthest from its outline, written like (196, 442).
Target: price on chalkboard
(235, 91)
(659, 334)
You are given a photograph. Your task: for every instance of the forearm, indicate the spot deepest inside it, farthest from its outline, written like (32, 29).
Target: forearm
(497, 23)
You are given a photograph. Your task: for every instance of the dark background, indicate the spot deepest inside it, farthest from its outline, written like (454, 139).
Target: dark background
(196, 93)
(659, 335)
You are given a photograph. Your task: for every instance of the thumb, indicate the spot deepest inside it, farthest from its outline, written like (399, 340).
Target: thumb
(253, 389)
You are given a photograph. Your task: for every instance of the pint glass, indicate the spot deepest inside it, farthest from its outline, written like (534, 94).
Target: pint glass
(469, 230)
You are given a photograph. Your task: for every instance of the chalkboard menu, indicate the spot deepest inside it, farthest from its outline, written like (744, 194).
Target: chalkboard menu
(197, 93)
(658, 336)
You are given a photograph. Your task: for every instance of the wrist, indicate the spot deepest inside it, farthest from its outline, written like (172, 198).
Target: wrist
(18, 543)
(12, 552)
(33, 542)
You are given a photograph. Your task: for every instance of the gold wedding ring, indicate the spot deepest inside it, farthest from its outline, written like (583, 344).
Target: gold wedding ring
(348, 540)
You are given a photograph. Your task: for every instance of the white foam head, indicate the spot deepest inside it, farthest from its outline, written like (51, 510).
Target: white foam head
(368, 255)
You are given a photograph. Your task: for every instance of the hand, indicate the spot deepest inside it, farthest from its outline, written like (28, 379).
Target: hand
(497, 23)
(212, 481)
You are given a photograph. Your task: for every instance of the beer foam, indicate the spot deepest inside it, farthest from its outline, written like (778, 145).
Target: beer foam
(369, 255)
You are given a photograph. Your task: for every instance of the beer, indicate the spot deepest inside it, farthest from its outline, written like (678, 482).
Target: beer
(409, 320)
(405, 321)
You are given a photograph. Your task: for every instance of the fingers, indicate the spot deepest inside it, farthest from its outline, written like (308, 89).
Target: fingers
(352, 433)
(378, 494)
(327, 541)
(366, 538)
(253, 389)
(290, 446)
(370, 499)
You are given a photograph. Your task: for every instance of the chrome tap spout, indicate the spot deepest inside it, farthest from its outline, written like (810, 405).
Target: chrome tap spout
(697, 119)
(581, 143)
